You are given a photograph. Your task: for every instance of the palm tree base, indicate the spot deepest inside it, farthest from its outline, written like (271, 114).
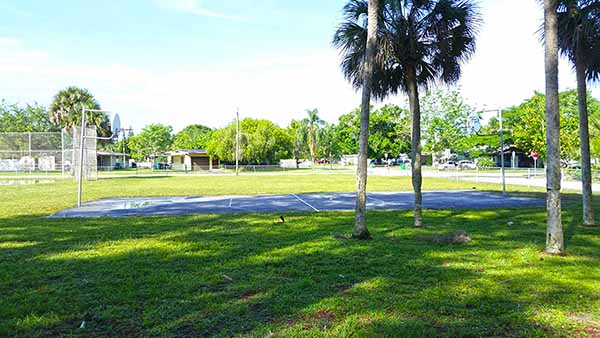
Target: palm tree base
(554, 252)
(590, 225)
(362, 236)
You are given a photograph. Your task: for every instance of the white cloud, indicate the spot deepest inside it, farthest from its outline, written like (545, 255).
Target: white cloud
(507, 69)
(6, 41)
(277, 88)
(509, 63)
(194, 7)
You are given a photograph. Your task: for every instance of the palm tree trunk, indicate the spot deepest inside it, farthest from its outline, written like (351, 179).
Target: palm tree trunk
(415, 113)
(554, 232)
(584, 136)
(312, 147)
(360, 222)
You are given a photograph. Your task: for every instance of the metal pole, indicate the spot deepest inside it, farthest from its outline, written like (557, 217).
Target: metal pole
(62, 155)
(237, 142)
(30, 157)
(502, 153)
(81, 153)
(123, 141)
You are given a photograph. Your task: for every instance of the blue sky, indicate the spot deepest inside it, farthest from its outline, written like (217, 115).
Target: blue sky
(187, 61)
(163, 33)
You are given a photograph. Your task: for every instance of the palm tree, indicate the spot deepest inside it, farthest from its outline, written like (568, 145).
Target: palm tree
(313, 123)
(579, 41)
(363, 76)
(298, 130)
(554, 233)
(67, 105)
(420, 43)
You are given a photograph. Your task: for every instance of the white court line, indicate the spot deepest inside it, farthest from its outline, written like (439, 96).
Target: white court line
(303, 201)
(230, 201)
(376, 200)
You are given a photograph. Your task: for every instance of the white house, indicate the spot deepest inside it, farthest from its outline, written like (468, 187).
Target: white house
(189, 159)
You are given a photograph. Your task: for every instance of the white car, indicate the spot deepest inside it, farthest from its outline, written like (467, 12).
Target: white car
(447, 166)
(466, 165)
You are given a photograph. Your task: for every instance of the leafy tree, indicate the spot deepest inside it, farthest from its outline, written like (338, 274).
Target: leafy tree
(194, 136)
(261, 142)
(222, 144)
(313, 124)
(153, 139)
(28, 118)
(579, 40)
(347, 130)
(328, 143)
(389, 132)
(298, 131)
(267, 142)
(594, 113)
(445, 115)
(421, 42)
(67, 105)
(526, 124)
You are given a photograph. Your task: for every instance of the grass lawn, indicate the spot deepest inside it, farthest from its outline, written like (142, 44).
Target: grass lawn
(245, 275)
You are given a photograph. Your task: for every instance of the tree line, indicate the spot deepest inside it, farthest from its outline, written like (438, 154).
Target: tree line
(444, 127)
(391, 46)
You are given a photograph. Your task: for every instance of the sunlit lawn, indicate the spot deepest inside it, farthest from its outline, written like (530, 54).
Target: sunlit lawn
(246, 275)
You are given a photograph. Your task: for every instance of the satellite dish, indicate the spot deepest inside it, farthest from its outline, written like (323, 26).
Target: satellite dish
(116, 124)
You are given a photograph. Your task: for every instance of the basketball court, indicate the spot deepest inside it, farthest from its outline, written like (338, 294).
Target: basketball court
(316, 202)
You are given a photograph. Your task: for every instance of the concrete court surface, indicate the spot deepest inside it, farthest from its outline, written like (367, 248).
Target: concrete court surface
(315, 202)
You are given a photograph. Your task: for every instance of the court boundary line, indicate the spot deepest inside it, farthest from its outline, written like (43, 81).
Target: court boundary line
(303, 201)
(377, 200)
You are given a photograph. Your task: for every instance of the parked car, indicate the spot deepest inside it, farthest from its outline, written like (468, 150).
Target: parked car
(466, 165)
(447, 166)
(572, 164)
(162, 166)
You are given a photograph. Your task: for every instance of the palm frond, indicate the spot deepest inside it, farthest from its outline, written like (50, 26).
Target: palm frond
(434, 36)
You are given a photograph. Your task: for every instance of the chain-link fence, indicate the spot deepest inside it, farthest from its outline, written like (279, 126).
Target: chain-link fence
(48, 154)
(35, 153)
(90, 164)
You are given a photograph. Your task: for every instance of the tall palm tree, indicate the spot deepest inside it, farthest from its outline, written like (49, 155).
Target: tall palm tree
(579, 41)
(67, 105)
(421, 42)
(313, 123)
(554, 232)
(365, 79)
(298, 130)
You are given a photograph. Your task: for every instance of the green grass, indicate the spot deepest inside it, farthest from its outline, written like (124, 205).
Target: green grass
(245, 275)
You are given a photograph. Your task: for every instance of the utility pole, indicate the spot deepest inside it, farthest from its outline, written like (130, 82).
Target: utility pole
(125, 131)
(502, 152)
(81, 157)
(237, 142)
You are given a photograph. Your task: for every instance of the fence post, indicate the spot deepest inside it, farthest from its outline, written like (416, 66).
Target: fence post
(30, 153)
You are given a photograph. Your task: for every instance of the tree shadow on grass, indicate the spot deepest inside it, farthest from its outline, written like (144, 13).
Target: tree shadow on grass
(226, 275)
